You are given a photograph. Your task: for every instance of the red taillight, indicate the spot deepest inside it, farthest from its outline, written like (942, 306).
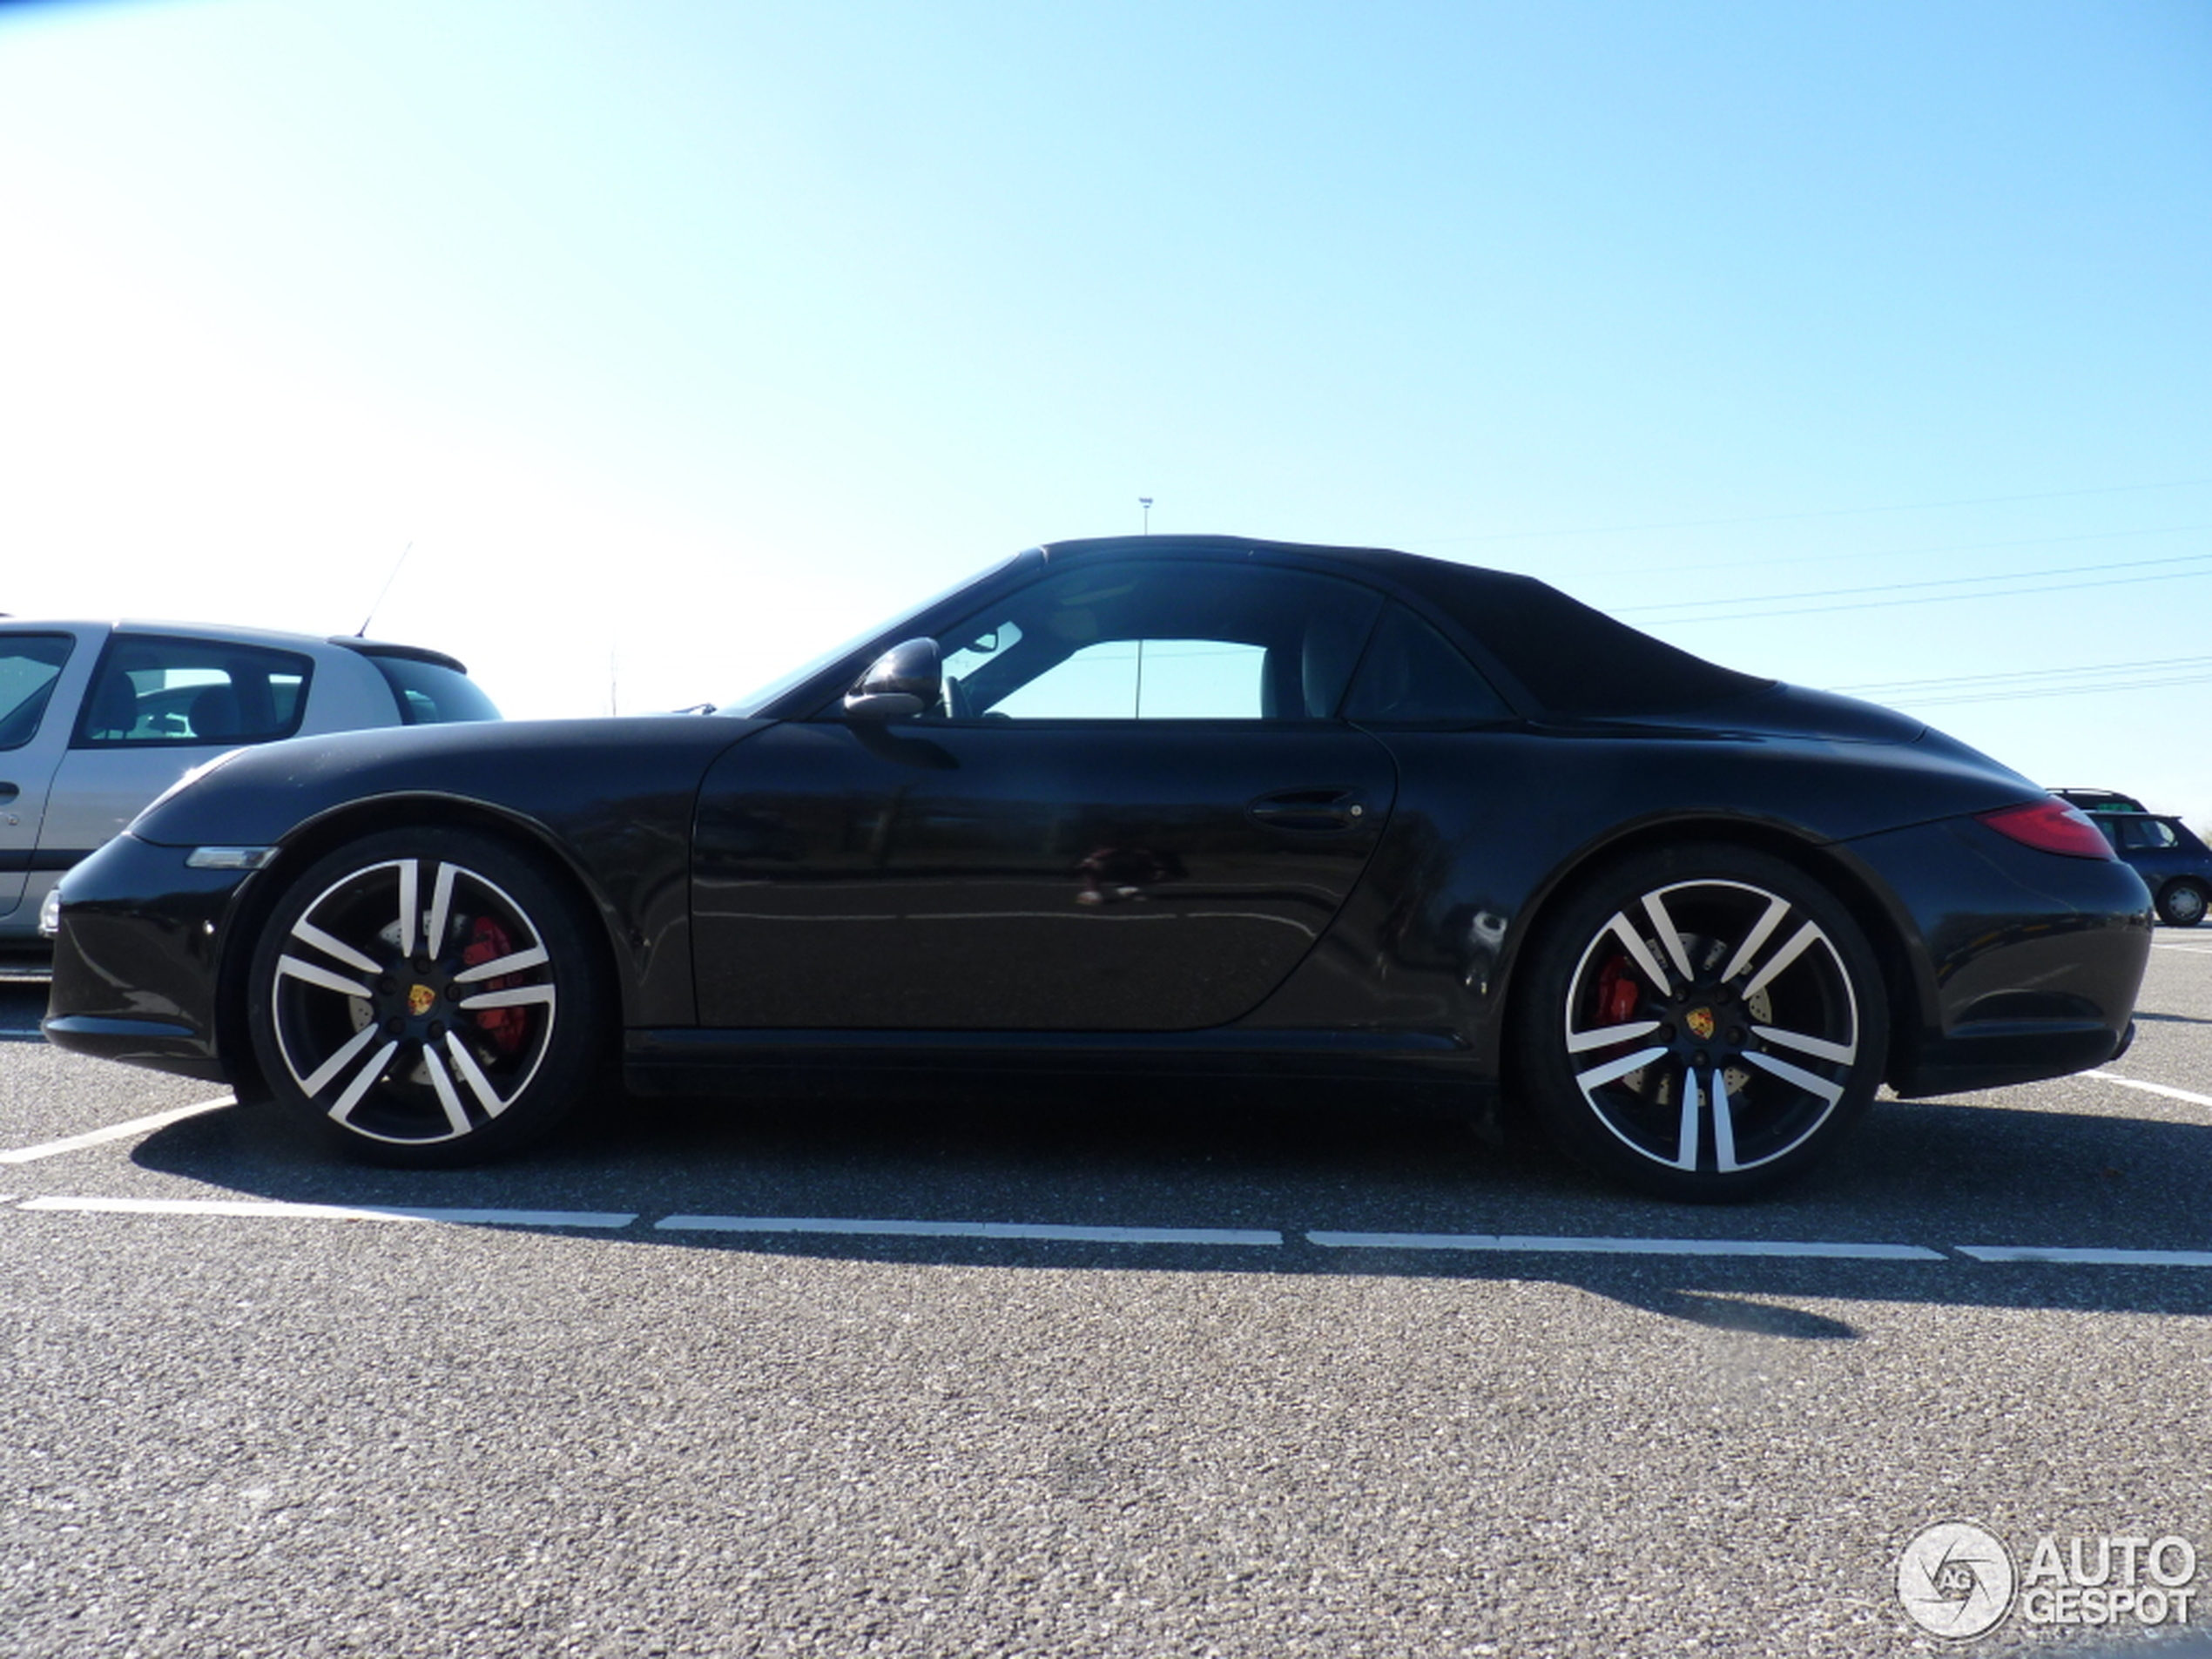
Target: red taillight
(2050, 826)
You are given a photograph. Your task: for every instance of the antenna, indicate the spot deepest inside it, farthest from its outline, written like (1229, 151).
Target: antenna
(1145, 501)
(363, 631)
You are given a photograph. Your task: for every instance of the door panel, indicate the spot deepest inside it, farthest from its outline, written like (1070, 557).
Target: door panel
(43, 672)
(159, 706)
(1085, 875)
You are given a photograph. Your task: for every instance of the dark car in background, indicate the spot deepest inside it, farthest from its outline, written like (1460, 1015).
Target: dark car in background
(1194, 805)
(2173, 863)
(2100, 800)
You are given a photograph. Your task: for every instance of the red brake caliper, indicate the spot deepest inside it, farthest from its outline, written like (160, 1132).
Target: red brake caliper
(1617, 993)
(487, 942)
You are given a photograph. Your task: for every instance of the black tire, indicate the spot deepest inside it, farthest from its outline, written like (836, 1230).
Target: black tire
(1760, 981)
(415, 1052)
(2181, 904)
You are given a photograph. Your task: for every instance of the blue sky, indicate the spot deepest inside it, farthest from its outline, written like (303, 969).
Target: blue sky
(680, 340)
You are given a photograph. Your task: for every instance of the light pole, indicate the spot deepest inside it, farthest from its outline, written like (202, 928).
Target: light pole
(1145, 501)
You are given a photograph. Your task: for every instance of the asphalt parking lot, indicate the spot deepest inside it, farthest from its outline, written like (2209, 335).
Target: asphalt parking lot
(1213, 1375)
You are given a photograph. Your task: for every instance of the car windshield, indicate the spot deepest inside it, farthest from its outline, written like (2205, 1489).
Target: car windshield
(753, 701)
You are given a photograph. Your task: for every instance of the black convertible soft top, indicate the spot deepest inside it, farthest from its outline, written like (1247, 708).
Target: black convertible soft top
(1571, 658)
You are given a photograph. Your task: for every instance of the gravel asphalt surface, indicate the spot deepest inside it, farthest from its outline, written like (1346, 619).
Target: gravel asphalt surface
(1218, 1373)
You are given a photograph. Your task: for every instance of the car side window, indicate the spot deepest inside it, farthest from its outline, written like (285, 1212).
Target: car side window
(1163, 639)
(151, 691)
(30, 663)
(1141, 679)
(1411, 675)
(2146, 834)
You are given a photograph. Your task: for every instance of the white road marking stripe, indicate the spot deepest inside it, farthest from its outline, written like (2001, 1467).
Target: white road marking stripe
(1539, 1243)
(112, 1132)
(1532, 1244)
(332, 1212)
(2188, 950)
(971, 1230)
(2150, 1089)
(2093, 1257)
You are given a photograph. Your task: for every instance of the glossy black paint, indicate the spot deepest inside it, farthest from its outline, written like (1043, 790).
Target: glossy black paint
(1305, 895)
(2016, 970)
(609, 801)
(136, 977)
(1016, 877)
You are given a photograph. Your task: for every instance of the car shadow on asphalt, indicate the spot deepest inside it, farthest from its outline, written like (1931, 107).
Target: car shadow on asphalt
(22, 1006)
(1937, 1176)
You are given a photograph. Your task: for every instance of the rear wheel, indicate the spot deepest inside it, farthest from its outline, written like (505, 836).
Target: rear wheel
(1702, 1023)
(428, 997)
(2181, 905)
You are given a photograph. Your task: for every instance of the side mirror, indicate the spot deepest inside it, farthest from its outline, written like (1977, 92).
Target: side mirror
(901, 683)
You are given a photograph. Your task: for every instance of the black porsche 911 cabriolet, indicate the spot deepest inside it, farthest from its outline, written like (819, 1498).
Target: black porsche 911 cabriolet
(1200, 803)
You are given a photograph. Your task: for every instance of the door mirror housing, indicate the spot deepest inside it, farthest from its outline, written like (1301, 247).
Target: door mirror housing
(899, 684)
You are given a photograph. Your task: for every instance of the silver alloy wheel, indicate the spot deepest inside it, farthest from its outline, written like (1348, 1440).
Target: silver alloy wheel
(1711, 1025)
(413, 1001)
(2183, 904)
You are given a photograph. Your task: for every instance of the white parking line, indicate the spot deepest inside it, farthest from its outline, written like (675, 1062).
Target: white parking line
(2093, 1257)
(2150, 1089)
(2190, 950)
(1538, 1243)
(1524, 1243)
(971, 1230)
(112, 1132)
(278, 1208)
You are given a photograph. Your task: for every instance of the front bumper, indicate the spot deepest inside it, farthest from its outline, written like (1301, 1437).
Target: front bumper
(138, 961)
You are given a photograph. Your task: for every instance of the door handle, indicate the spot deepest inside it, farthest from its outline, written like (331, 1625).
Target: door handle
(1320, 810)
(8, 793)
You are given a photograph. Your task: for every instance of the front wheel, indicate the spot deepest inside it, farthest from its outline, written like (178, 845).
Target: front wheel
(2181, 905)
(1701, 1022)
(428, 997)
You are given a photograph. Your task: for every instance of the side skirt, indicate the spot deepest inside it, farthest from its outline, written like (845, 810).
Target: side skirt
(707, 1062)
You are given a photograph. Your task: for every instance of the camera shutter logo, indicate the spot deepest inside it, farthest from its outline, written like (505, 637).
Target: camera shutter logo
(1955, 1580)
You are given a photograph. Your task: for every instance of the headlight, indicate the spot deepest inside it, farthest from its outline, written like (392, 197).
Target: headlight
(50, 913)
(229, 858)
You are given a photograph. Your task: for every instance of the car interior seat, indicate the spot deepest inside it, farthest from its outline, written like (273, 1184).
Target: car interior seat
(215, 715)
(115, 707)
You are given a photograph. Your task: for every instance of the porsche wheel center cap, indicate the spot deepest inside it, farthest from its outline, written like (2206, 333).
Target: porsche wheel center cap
(1700, 1021)
(420, 998)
